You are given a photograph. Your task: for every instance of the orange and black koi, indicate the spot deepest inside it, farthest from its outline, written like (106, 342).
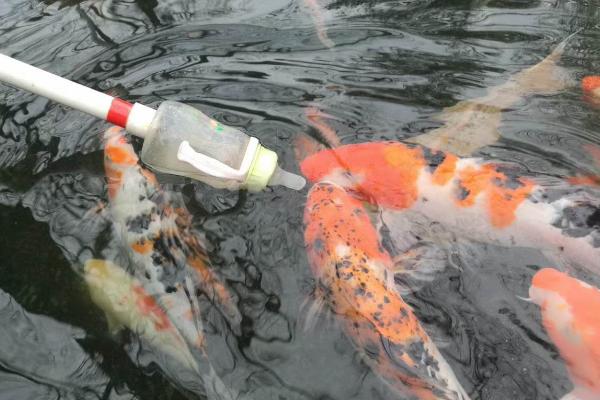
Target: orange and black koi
(352, 270)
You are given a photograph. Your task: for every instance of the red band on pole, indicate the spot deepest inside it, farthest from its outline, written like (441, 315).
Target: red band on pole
(119, 112)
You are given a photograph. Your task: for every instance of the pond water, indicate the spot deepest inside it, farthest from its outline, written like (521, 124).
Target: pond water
(381, 70)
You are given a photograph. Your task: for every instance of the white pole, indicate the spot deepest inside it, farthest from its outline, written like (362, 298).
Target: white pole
(136, 118)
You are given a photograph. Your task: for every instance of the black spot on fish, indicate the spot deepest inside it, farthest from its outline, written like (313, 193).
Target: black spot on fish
(338, 266)
(512, 175)
(594, 219)
(579, 220)
(462, 192)
(139, 224)
(415, 350)
(433, 158)
(386, 299)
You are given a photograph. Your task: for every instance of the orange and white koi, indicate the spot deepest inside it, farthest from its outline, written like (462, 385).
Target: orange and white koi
(571, 318)
(164, 250)
(474, 199)
(351, 270)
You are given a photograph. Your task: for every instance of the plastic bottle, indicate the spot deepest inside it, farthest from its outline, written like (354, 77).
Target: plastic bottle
(182, 140)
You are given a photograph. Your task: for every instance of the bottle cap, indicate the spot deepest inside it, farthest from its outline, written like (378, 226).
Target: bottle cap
(258, 168)
(265, 171)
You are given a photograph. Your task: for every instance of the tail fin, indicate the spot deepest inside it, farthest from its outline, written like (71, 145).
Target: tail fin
(546, 77)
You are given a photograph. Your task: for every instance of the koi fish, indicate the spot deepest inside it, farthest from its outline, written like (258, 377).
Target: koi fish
(166, 254)
(351, 268)
(476, 200)
(126, 303)
(570, 315)
(473, 124)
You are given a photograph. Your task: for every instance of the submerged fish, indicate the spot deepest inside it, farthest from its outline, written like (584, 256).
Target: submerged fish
(570, 313)
(351, 270)
(476, 200)
(166, 253)
(473, 124)
(127, 304)
(170, 270)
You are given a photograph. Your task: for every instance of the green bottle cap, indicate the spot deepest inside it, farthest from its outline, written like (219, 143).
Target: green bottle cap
(261, 170)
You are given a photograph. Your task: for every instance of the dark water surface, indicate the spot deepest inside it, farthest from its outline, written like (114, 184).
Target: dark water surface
(258, 64)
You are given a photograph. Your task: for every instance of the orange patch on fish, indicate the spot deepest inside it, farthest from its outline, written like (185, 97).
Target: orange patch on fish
(114, 178)
(591, 89)
(445, 171)
(150, 177)
(571, 318)
(502, 201)
(143, 246)
(121, 155)
(148, 306)
(584, 180)
(385, 173)
(213, 285)
(590, 83)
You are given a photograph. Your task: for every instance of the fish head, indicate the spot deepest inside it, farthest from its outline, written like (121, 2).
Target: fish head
(381, 173)
(132, 189)
(551, 290)
(339, 228)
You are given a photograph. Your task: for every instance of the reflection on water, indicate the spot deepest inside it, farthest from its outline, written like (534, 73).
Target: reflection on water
(379, 70)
